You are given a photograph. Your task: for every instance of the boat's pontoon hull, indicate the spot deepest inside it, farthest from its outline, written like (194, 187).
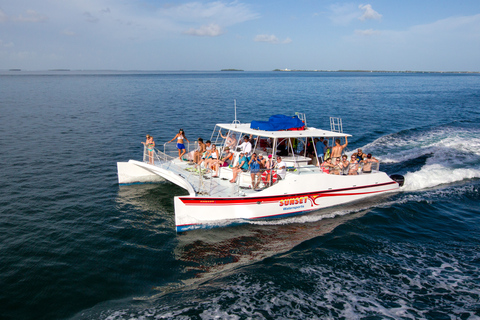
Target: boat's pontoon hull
(201, 212)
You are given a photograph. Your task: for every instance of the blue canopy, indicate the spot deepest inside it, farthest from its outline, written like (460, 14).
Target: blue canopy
(278, 122)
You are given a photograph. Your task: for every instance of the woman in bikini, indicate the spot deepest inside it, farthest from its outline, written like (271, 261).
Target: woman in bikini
(149, 144)
(180, 146)
(211, 157)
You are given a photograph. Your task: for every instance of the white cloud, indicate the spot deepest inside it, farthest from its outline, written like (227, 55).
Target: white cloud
(211, 30)
(31, 16)
(224, 14)
(69, 33)
(6, 45)
(369, 13)
(3, 16)
(368, 32)
(270, 38)
(343, 14)
(346, 13)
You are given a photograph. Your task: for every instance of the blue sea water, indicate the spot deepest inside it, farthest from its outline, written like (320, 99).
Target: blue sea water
(76, 245)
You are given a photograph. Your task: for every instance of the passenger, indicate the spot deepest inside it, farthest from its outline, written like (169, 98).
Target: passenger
(197, 155)
(338, 149)
(345, 165)
(326, 150)
(336, 167)
(225, 161)
(211, 158)
(353, 168)
(230, 139)
(367, 166)
(150, 145)
(208, 147)
(319, 146)
(269, 165)
(254, 165)
(180, 136)
(281, 167)
(326, 165)
(263, 162)
(246, 146)
(242, 166)
(360, 155)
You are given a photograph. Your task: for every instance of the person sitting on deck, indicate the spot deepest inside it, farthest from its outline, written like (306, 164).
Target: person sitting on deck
(269, 165)
(230, 139)
(336, 167)
(246, 146)
(353, 168)
(360, 155)
(197, 155)
(326, 165)
(263, 161)
(281, 168)
(208, 147)
(345, 165)
(367, 166)
(254, 165)
(211, 157)
(242, 166)
(225, 161)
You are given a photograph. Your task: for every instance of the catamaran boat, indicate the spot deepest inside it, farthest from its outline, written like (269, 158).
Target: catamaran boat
(213, 200)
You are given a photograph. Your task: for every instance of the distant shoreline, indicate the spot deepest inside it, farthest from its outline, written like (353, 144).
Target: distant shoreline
(72, 71)
(373, 71)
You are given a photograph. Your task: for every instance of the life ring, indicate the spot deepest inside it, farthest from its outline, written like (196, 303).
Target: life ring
(272, 174)
(264, 175)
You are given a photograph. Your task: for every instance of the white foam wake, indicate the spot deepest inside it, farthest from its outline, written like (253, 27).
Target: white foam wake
(434, 175)
(452, 155)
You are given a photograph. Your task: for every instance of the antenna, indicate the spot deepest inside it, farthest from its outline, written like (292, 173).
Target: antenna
(235, 121)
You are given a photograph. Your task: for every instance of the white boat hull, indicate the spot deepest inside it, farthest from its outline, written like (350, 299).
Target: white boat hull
(312, 192)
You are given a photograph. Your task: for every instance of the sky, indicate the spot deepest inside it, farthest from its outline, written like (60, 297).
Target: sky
(253, 35)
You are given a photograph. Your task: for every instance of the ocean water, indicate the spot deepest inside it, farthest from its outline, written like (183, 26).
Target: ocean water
(76, 245)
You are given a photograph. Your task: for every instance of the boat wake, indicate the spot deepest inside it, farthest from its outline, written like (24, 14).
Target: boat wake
(430, 157)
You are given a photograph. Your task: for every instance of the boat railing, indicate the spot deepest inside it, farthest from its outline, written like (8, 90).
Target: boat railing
(202, 182)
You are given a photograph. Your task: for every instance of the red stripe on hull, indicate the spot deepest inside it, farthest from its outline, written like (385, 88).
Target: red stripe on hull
(250, 200)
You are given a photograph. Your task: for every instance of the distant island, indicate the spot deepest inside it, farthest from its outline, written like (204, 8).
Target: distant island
(231, 70)
(371, 71)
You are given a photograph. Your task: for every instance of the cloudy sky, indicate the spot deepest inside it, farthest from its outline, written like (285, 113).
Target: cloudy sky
(434, 35)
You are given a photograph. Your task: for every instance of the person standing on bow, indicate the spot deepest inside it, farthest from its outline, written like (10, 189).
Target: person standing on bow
(150, 145)
(180, 143)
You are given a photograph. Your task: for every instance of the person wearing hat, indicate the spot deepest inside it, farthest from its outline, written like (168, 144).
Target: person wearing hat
(242, 166)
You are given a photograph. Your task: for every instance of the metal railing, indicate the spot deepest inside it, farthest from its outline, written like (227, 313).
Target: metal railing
(201, 181)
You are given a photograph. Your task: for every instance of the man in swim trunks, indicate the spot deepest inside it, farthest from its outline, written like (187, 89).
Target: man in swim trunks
(338, 149)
